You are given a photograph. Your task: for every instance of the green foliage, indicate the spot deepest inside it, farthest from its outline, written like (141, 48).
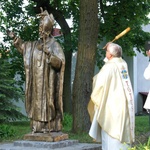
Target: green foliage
(142, 127)
(6, 131)
(11, 131)
(67, 122)
(115, 16)
(142, 124)
(145, 146)
(9, 93)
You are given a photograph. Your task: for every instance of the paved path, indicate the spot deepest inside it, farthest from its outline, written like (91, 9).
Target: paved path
(37, 145)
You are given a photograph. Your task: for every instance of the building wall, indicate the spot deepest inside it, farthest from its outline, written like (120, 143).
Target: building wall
(141, 84)
(136, 66)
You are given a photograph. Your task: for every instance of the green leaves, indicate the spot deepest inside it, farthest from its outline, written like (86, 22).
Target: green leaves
(9, 93)
(6, 131)
(118, 15)
(115, 16)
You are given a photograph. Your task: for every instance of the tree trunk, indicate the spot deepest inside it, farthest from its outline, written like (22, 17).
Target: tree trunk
(87, 45)
(67, 102)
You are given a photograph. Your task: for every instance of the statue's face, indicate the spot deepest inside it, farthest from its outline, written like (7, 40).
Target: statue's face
(45, 27)
(41, 30)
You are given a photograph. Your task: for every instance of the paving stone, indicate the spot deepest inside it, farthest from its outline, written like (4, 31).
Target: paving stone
(38, 145)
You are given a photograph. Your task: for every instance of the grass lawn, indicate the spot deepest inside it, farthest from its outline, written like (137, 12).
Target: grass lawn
(16, 130)
(142, 124)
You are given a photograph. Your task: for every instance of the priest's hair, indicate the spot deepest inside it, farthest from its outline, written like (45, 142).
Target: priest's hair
(115, 49)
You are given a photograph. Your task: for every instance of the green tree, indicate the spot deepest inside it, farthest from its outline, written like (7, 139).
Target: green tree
(9, 93)
(117, 15)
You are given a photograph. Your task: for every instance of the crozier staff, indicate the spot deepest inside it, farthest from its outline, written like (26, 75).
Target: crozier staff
(119, 35)
(111, 107)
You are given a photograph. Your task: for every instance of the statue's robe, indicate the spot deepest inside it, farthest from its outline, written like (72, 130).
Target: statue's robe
(44, 69)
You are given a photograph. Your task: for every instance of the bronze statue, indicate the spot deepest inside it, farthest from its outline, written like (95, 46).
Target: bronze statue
(44, 63)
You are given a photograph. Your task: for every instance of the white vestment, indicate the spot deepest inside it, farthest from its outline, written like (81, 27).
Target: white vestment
(111, 107)
(147, 77)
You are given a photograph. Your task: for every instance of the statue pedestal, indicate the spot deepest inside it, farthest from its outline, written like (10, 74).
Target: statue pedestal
(49, 137)
(60, 145)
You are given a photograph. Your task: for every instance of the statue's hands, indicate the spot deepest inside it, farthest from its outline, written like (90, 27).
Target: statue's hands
(13, 36)
(46, 51)
(16, 41)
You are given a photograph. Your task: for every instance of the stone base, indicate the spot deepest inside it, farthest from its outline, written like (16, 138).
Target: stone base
(41, 145)
(48, 137)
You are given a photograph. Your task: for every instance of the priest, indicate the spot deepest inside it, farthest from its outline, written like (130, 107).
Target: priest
(111, 107)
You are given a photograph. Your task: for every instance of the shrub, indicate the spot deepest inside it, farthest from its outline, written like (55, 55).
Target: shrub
(67, 122)
(6, 131)
(145, 146)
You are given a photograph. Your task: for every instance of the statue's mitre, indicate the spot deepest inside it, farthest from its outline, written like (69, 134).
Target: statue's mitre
(44, 15)
(46, 21)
